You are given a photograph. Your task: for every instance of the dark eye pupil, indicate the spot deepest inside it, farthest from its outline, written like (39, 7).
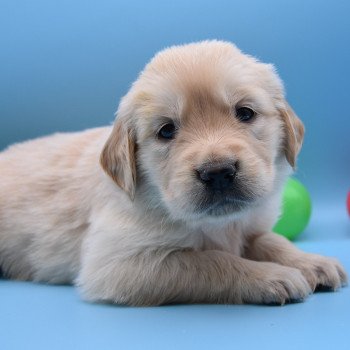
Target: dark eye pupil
(245, 114)
(167, 131)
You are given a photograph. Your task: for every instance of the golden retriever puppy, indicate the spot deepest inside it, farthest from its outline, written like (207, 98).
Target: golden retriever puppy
(176, 202)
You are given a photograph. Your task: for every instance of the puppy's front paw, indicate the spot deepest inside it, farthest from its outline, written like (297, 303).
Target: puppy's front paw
(321, 272)
(276, 284)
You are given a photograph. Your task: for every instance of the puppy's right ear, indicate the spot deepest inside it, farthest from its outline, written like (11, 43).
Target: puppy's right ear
(118, 156)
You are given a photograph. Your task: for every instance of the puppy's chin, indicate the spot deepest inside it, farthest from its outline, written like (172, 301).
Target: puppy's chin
(208, 206)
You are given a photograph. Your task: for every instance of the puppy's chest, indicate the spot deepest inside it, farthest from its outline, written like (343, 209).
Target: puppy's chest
(227, 240)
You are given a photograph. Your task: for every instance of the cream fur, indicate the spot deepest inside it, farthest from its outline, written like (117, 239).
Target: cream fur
(115, 210)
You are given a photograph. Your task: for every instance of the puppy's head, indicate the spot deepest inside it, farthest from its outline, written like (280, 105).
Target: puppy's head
(206, 130)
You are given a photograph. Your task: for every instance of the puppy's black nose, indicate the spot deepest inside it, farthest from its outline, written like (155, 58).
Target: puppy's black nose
(217, 177)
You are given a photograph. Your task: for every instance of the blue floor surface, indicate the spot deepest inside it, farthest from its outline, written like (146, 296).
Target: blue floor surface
(34, 316)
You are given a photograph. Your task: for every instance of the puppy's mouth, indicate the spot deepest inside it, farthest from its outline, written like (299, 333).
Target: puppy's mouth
(227, 207)
(220, 204)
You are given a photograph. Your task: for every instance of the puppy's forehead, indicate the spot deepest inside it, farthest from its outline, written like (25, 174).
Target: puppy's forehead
(210, 72)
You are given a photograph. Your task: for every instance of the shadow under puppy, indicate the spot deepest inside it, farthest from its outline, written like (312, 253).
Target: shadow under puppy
(181, 209)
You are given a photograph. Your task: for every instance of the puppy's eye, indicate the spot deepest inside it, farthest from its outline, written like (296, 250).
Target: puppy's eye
(245, 114)
(167, 132)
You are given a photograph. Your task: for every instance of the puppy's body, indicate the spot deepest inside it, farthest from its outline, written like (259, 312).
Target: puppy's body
(45, 209)
(183, 205)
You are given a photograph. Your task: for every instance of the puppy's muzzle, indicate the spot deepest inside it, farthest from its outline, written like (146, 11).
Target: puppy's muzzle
(219, 176)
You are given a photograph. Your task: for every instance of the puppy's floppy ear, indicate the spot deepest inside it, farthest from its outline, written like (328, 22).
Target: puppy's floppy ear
(118, 156)
(294, 133)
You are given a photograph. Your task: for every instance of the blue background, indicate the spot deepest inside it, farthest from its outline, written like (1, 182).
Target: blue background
(64, 66)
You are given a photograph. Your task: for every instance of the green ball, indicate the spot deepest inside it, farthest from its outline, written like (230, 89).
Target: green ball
(296, 210)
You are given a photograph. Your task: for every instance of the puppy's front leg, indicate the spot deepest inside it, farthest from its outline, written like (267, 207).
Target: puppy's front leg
(319, 271)
(185, 276)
